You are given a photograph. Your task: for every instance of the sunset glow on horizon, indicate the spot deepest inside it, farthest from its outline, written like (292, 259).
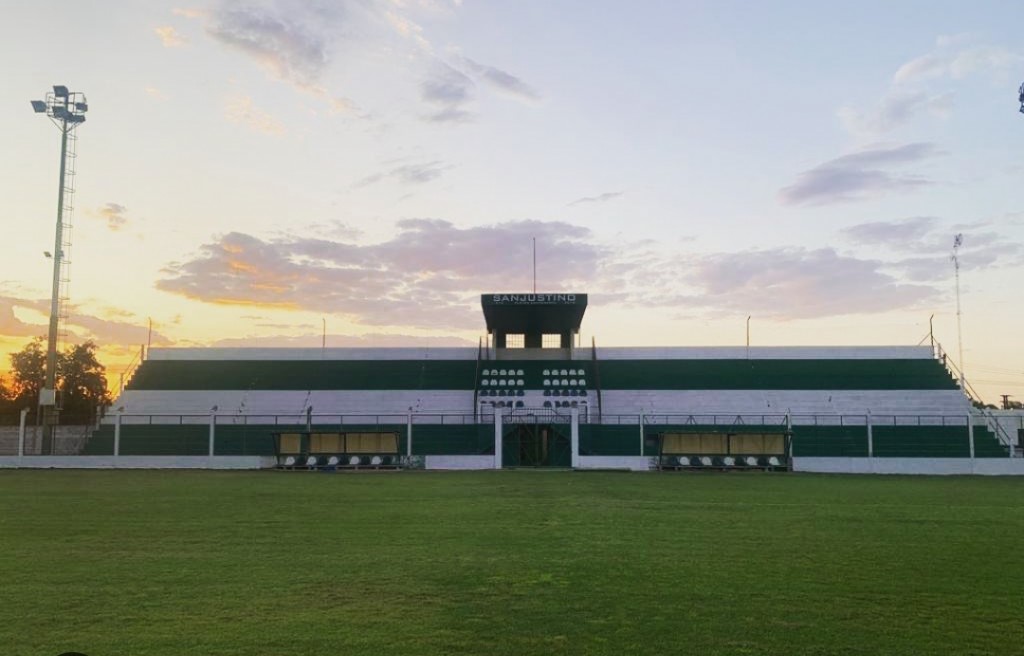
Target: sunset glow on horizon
(280, 173)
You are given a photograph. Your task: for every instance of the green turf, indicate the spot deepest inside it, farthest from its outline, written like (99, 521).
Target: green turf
(513, 562)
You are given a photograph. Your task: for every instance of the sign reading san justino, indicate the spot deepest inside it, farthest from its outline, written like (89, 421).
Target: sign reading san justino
(532, 299)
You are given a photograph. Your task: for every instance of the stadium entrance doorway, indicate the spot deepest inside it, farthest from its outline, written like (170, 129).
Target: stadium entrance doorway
(536, 445)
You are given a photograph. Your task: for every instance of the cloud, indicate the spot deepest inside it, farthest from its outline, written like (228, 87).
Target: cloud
(290, 40)
(922, 85)
(800, 283)
(110, 332)
(408, 174)
(11, 325)
(889, 233)
(428, 275)
(189, 12)
(980, 251)
(449, 91)
(431, 272)
(895, 109)
(929, 244)
(858, 175)
(956, 64)
(240, 109)
(81, 325)
(169, 36)
(114, 214)
(501, 80)
(600, 198)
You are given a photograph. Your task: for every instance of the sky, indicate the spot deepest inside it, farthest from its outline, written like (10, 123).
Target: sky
(267, 173)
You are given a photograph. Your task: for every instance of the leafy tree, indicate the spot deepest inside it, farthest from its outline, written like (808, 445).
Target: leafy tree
(81, 379)
(6, 406)
(28, 372)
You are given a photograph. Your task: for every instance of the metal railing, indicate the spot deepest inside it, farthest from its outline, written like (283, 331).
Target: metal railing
(129, 371)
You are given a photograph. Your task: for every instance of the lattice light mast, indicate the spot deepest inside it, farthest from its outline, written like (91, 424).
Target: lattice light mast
(958, 241)
(67, 111)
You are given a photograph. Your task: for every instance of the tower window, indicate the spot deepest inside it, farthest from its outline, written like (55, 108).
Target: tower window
(515, 340)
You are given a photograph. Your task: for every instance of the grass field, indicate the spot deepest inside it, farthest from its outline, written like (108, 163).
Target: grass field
(514, 562)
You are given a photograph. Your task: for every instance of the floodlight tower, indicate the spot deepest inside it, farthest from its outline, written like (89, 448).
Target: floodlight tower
(958, 241)
(66, 109)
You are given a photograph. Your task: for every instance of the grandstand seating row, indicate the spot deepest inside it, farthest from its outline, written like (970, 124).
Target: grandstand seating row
(754, 374)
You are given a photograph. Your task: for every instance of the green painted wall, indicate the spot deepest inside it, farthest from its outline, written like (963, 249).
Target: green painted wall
(304, 375)
(595, 439)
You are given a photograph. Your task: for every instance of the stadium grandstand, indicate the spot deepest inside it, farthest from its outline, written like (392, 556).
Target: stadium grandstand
(530, 395)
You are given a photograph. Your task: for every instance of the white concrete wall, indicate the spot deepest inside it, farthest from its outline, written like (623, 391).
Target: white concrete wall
(928, 466)
(383, 353)
(756, 353)
(724, 402)
(603, 353)
(633, 463)
(137, 462)
(241, 402)
(458, 462)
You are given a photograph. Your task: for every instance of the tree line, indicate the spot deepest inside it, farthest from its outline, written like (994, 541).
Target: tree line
(81, 382)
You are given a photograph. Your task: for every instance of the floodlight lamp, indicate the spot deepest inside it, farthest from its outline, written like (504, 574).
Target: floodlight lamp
(39, 107)
(60, 91)
(81, 106)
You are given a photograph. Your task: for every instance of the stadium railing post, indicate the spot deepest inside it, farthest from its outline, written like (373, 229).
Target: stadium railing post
(871, 440)
(117, 434)
(641, 422)
(21, 433)
(574, 437)
(408, 435)
(213, 429)
(970, 434)
(497, 438)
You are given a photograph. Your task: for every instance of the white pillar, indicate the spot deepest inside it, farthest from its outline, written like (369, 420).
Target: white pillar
(213, 424)
(970, 434)
(408, 435)
(789, 434)
(641, 434)
(117, 433)
(21, 433)
(497, 438)
(574, 437)
(871, 438)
